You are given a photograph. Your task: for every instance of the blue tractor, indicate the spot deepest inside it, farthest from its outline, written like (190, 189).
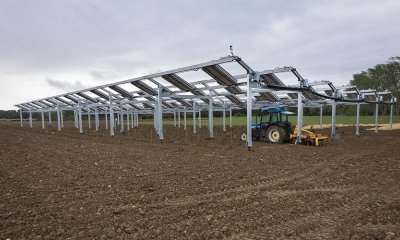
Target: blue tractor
(272, 125)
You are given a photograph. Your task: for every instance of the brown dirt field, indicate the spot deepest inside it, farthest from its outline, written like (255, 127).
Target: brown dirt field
(91, 186)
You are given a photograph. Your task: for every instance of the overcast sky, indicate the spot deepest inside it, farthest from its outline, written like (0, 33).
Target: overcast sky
(50, 47)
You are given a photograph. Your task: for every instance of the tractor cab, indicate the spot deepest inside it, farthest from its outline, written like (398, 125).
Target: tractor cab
(272, 125)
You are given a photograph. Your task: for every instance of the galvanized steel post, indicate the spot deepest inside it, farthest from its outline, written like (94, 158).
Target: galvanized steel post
(159, 114)
(20, 117)
(299, 116)
(249, 136)
(80, 116)
(333, 118)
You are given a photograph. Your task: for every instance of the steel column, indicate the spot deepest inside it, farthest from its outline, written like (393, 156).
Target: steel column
(62, 118)
(96, 119)
(127, 120)
(299, 116)
(49, 117)
(210, 118)
(80, 116)
(358, 120)
(199, 118)
(30, 119)
(194, 117)
(106, 118)
(88, 116)
(112, 124)
(155, 120)
(333, 118)
(174, 118)
(249, 138)
(224, 118)
(184, 119)
(376, 117)
(230, 116)
(76, 119)
(391, 118)
(121, 123)
(42, 119)
(159, 114)
(132, 121)
(179, 118)
(320, 117)
(20, 117)
(58, 119)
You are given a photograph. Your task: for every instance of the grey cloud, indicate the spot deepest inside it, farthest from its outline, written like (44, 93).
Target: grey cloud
(65, 85)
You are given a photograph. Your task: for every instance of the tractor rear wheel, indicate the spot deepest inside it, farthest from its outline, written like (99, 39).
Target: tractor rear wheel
(275, 134)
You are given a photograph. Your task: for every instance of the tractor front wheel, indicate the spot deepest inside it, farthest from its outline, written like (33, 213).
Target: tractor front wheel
(275, 134)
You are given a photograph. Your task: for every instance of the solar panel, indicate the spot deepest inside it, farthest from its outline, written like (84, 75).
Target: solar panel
(121, 91)
(370, 97)
(85, 96)
(144, 87)
(269, 96)
(100, 94)
(234, 99)
(45, 103)
(71, 98)
(329, 92)
(272, 79)
(64, 101)
(223, 78)
(352, 95)
(178, 82)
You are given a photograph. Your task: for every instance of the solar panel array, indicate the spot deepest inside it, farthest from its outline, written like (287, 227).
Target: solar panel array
(226, 88)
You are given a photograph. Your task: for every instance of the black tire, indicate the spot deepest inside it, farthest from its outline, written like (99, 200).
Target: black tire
(275, 134)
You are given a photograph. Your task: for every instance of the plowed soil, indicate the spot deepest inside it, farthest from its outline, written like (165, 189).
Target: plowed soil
(66, 185)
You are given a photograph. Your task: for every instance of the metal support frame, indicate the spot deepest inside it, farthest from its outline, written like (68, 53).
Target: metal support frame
(184, 119)
(106, 118)
(50, 118)
(132, 121)
(320, 117)
(127, 120)
(42, 119)
(179, 118)
(76, 119)
(224, 118)
(62, 118)
(80, 116)
(159, 114)
(88, 117)
(391, 118)
(199, 118)
(96, 119)
(174, 118)
(194, 117)
(155, 119)
(20, 117)
(112, 123)
(333, 118)
(30, 119)
(249, 138)
(376, 117)
(58, 119)
(121, 119)
(358, 120)
(210, 118)
(230, 117)
(299, 116)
